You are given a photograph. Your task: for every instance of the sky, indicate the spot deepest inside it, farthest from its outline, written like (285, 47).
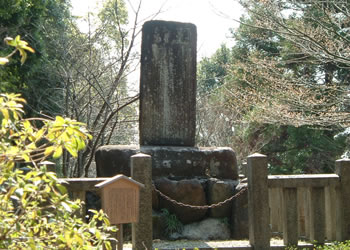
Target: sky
(213, 18)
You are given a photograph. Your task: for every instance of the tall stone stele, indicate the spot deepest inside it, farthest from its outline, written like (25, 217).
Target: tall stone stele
(167, 124)
(168, 111)
(167, 87)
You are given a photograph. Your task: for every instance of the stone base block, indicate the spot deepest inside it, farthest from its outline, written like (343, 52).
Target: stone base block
(219, 191)
(183, 162)
(239, 219)
(189, 192)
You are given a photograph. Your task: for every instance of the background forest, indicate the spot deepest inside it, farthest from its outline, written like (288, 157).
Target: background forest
(281, 89)
(74, 74)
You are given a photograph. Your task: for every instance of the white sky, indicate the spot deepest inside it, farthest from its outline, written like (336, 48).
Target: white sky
(212, 27)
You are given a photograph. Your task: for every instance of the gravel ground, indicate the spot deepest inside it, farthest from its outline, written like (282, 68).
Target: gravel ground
(200, 244)
(180, 244)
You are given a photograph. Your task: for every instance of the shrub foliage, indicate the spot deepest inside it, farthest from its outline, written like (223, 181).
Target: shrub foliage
(35, 210)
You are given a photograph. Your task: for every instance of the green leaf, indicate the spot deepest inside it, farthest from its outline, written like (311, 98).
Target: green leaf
(49, 150)
(26, 124)
(10, 192)
(39, 134)
(26, 157)
(98, 234)
(58, 152)
(29, 49)
(59, 121)
(78, 239)
(5, 113)
(68, 238)
(66, 207)
(108, 245)
(71, 150)
(61, 188)
(17, 39)
(23, 55)
(81, 144)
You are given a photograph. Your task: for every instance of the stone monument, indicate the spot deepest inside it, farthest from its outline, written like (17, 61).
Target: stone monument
(167, 124)
(168, 87)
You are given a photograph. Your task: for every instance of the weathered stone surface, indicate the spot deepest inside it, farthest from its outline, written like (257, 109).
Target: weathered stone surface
(208, 229)
(168, 84)
(177, 161)
(218, 191)
(114, 159)
(170, 161)
(239, 219)
(222, 162)
(186, 191)
(159, 225)
(155, 199)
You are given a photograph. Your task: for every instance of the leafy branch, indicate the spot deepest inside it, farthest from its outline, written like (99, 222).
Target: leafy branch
(20, 45)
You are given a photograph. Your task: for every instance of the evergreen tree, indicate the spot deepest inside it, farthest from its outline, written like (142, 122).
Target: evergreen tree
(285, 87)
(39, 22)
(73, 73)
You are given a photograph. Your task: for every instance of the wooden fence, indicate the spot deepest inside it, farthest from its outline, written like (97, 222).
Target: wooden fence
(314, 206)
(77, 187)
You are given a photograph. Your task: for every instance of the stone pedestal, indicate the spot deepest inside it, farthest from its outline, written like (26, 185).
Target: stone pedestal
(182, 162)
(188, 191)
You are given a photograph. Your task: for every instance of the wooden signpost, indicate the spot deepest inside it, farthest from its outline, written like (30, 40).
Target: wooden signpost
(120, 201)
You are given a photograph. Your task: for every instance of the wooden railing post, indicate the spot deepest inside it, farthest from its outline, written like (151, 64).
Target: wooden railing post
(331, 201)
(302, 212)
(317, 214)
(275, 203)
(343, 209)
(258, 200)
(141, 171)
(290, 216)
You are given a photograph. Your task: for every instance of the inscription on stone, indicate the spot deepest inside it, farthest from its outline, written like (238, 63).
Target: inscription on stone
(168, 84)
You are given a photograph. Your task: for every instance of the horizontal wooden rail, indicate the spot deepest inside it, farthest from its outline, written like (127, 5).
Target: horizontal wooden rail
(82, 184)
(78, 188)
(304, 180)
